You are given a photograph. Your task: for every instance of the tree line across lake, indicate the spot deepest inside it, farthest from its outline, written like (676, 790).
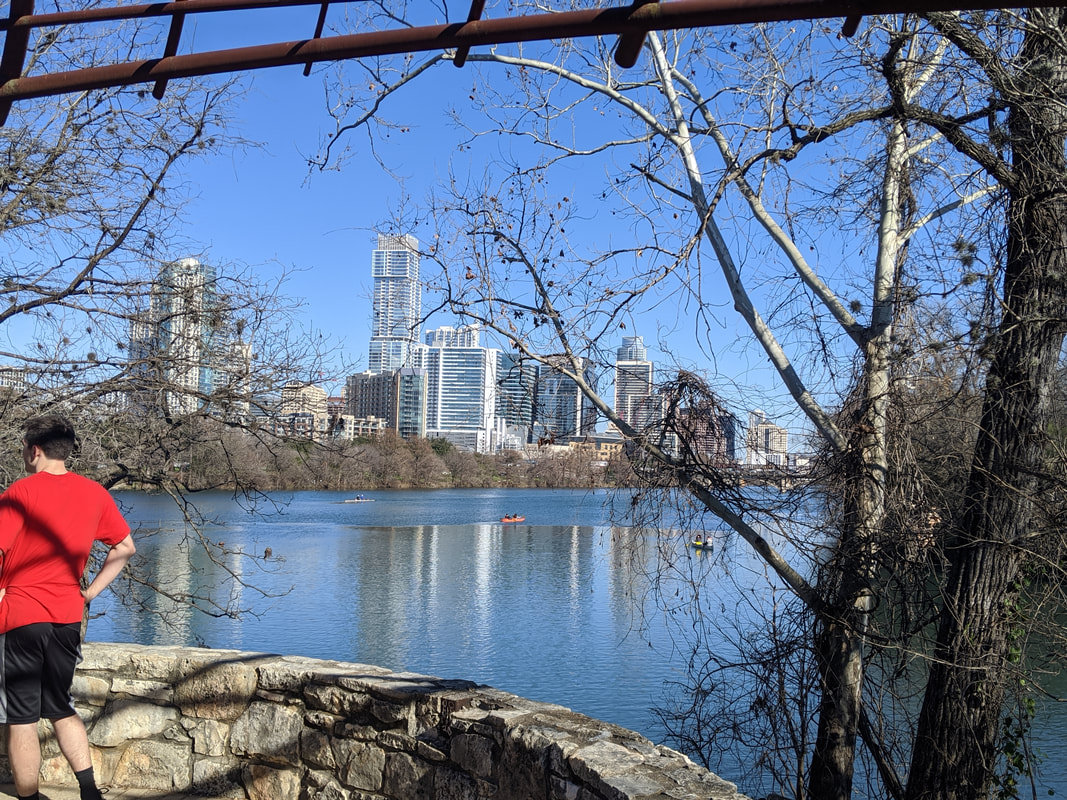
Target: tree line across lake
(393, 463)
(211, 455)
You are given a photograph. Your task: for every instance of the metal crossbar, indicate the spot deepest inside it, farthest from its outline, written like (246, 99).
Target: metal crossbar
(630, 23)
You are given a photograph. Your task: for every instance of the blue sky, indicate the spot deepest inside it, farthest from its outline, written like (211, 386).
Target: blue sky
(262, 208)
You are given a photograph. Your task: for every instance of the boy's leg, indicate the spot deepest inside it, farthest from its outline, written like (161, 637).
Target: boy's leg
(64, 653)
(23, 649)
(24, 752)
(73, 742)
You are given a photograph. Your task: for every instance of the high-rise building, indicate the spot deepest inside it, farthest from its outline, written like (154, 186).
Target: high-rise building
(446, 336)
(185, 348)
(634, 402)
(397, 305)
(369, 394)
(766, 444)
(298, 398)
(515, 386)
(561, 409)
(710, 433)
(13, 380)
(461, 390)
(632, 349)
(303, 412)
(409, 387)
(397, 396)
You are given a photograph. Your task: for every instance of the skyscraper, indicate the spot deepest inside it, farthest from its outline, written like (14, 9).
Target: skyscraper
(461, 380)
(710, 433)
(766, 444)
(561, 409)
(447, 336)
(633, 383)
(184, 348)
(410, 388)
(398, 397)
(516, 382)
(397, 305)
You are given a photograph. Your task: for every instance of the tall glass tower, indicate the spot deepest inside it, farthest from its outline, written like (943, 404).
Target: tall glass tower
(633, 383)
(561, 410)
(397, 305)
(461, 382)
(186, 348)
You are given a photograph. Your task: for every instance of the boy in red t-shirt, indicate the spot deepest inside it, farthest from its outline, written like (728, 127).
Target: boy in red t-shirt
(48, 523)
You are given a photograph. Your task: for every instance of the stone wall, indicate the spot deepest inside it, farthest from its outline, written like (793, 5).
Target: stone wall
(246, 725)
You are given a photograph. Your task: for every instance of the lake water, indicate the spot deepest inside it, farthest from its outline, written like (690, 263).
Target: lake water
(536, 608)
(552, 608)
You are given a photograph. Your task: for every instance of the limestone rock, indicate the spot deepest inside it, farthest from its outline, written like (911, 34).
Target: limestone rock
(474, 754)
(361, 765)
(220, 690)
(316, 750)
(89, 690)
(407, 777)
(266, 783)
(218, 778)
(154, 765)
(269, 732)
(209, 737)
(129, 719)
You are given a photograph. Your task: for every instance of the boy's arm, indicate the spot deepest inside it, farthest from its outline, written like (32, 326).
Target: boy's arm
(117, 557)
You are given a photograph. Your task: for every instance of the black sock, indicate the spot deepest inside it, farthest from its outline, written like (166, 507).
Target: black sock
(34, 796)
(87, 785)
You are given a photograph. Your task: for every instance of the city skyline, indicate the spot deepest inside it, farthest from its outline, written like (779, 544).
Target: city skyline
(446, 386)
(320, 237)
(482, 399)
(319, 240)
(437, 382)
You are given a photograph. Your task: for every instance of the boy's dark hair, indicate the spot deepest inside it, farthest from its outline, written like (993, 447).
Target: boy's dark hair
(52, 433)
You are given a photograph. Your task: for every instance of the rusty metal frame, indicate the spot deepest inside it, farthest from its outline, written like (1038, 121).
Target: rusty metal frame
(630, 23)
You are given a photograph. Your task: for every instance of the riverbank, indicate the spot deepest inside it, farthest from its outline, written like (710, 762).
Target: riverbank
(392, 463)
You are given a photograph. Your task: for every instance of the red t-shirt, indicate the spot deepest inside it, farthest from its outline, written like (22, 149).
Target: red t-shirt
(48, 524)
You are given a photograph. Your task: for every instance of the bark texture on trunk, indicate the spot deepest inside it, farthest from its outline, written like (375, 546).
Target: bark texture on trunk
(840, 654)
(840, 642)
(956, 749)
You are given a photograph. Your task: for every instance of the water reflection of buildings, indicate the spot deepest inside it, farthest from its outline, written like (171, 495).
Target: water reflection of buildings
(484, 578)
(180, 573)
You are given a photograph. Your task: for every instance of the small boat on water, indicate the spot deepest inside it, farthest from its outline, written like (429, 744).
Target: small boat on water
(359, 500)
(700, 544)
(513, 519)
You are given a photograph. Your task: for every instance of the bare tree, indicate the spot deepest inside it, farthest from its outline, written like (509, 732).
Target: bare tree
(94, 328)
(796, 139)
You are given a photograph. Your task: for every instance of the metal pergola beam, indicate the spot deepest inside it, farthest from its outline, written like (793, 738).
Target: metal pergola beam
(630, 22)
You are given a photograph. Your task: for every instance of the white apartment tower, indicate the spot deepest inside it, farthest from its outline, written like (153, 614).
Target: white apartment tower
(171, 344)
(461, 389)
(303, 398)
(186, 348)
(397, 305)
(766, 444)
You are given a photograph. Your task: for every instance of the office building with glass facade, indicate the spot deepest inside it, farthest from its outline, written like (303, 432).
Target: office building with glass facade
(461, 392)
(396, 311)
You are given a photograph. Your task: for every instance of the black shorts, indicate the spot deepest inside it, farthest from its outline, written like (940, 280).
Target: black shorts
(36, 671)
